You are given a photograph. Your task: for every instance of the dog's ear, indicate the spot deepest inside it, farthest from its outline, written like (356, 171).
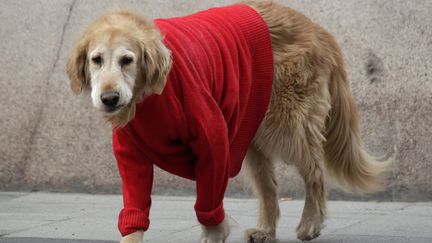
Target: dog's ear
(77, 68)
(155, 62)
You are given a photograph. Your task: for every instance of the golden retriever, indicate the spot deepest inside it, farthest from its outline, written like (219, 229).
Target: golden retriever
(311, 121)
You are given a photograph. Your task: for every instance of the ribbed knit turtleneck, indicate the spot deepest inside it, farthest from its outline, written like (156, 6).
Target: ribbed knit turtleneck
(201, 126)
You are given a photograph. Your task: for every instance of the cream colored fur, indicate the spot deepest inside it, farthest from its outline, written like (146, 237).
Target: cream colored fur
(136, 237)
(112, 36)
(311, 122)
(216, 234)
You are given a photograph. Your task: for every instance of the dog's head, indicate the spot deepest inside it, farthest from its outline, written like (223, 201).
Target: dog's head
(120, 58)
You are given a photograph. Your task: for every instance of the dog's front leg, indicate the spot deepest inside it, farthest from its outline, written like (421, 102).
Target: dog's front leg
(135, 237)
(215, 234)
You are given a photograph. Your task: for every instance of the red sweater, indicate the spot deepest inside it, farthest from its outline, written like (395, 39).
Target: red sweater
(200, 127)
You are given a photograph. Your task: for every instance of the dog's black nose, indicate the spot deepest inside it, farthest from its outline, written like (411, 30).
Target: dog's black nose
(110, 98)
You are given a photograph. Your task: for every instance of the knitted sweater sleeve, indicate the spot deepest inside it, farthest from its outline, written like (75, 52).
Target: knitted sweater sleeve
(210, 144)
(136, 172)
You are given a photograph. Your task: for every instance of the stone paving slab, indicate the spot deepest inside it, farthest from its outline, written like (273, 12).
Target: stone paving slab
(45, 240)
(73, 218)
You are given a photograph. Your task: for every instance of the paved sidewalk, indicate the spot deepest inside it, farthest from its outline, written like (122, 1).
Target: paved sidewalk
(73, 218)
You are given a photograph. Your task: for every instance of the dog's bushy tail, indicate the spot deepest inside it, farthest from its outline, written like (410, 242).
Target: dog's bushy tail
(347, 161)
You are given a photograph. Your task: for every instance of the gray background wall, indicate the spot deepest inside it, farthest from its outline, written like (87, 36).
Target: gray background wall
(53, 140)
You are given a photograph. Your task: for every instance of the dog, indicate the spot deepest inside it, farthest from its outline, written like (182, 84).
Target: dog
(306, 114)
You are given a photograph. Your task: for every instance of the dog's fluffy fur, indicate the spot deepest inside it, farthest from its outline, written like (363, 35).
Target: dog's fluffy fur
(311, 120)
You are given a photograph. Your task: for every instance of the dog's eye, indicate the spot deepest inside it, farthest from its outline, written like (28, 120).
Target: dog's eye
(126, 60)
(97, 60)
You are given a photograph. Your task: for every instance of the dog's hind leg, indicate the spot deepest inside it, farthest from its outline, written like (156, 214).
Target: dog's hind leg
(260, 171)
(304, 146)
(293, 131)
(310, 164)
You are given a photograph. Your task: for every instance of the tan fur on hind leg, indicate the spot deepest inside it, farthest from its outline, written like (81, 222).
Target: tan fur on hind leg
(260, 171)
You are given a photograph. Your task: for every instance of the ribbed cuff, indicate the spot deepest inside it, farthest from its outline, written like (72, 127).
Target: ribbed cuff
(211, 218)
(133, 219)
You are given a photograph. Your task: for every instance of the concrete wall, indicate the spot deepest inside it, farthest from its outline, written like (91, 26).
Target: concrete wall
(53, 140)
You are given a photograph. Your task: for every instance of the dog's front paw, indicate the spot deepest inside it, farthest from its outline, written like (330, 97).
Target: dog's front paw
(136, 237)
(259, 236)
(215, 234)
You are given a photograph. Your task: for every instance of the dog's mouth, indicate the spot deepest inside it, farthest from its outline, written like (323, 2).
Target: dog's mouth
(112, 110)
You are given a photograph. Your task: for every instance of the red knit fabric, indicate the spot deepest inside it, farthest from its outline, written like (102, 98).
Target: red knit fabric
(200, 127)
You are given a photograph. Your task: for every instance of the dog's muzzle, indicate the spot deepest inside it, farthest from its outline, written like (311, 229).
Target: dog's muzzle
(110, 100)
